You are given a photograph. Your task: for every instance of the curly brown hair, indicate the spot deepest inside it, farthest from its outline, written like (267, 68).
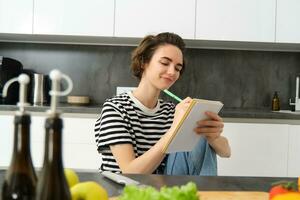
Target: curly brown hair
(145, 50)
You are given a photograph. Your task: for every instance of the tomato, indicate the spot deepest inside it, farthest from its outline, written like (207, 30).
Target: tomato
(276, 190)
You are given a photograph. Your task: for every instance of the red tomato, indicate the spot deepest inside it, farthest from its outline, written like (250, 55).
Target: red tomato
(278, 189)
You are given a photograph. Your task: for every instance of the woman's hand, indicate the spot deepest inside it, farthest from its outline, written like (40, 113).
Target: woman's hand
(180, 110)
(211, 128)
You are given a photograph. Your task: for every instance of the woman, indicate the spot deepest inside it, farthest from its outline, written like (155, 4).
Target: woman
(134, 126)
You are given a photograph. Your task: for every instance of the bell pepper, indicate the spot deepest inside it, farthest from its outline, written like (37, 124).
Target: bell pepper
(287, 196)
(283, 187)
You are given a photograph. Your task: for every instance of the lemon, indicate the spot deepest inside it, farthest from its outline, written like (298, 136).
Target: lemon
(88, 190)
(71, 177)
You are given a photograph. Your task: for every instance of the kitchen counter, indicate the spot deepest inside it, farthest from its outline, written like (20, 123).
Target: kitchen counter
(94, 111)
(204, 183)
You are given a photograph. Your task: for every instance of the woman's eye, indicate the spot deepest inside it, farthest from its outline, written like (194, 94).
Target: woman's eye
(164, 63)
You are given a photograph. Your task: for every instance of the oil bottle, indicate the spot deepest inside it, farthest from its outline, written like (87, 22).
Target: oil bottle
(52, 183)
(20, 180)
(275, 102)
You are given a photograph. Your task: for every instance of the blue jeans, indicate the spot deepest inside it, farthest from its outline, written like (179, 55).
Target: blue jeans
(200, 161)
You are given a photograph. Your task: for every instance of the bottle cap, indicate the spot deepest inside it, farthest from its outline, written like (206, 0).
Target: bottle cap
(56, 76)
(23, 80)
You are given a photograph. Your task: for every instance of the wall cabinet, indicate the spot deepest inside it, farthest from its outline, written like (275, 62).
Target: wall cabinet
(270, 21)
(67, 17)
(137, 18)
(257, 150)
(287, 26)
(236, 20)
(16, 16)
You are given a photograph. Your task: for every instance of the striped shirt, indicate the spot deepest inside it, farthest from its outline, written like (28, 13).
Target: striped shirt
(125, 120)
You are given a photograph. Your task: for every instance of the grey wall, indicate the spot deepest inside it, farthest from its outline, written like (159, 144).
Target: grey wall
(241, 79)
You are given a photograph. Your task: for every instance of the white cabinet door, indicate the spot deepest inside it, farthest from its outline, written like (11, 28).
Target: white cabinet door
(137, 18)
(294, 151)
(6, 139)
(257, 150)
(16, 16)
(68, 17)
(80, 150)
(287, 21)
(79, 147)
(236, 20)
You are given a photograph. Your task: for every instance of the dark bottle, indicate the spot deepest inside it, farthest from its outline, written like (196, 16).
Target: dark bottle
(52, 182)
(275, 102)
(20, 180)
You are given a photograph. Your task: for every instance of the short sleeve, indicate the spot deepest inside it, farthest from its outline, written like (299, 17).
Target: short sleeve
(111, 127)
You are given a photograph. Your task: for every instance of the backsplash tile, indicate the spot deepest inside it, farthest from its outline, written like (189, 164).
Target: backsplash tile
(241, 79)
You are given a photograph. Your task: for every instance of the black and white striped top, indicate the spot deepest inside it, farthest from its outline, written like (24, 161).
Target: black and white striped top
(125, 120)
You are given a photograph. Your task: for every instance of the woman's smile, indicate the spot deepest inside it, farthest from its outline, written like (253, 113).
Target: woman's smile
(168, 79)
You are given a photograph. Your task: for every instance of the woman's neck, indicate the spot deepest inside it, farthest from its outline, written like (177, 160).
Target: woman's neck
(147, 95)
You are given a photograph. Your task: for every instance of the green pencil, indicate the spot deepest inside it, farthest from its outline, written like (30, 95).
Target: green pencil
(172, 95)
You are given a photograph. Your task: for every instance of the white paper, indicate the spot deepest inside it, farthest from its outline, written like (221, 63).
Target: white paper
(186, 138)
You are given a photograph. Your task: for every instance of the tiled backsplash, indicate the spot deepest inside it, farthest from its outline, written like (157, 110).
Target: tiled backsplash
(241, 79)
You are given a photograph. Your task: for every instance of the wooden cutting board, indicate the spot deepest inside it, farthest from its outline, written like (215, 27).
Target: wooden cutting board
(224, 195)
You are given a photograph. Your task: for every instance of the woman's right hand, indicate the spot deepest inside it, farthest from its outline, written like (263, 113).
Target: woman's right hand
(180, 110)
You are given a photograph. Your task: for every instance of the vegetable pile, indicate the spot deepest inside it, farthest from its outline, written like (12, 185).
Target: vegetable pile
(185, 192)
(285, 190)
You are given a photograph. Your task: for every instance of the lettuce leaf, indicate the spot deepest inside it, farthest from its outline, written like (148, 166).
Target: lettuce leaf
(185, 192)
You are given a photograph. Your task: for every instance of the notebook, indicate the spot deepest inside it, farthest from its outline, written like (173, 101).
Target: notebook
(184, 137)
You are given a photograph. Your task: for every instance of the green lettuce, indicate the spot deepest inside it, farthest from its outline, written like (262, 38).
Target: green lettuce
(185, 192)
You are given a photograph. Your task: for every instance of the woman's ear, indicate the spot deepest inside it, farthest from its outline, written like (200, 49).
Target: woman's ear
(144, 66)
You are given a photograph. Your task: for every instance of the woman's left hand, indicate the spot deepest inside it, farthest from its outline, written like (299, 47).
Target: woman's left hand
(211, 128)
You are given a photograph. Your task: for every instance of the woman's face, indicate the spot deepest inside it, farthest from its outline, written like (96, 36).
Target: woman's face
(164, 67)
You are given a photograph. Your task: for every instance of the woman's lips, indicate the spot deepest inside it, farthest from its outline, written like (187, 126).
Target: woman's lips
(168, 79)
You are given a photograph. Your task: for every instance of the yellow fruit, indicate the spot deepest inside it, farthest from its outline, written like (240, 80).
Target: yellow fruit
(71, 177)
(299, 184)
(89, 190)
(287, 196)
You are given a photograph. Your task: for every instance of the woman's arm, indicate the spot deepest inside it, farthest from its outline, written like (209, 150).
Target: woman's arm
(212, 129)
(221, 146)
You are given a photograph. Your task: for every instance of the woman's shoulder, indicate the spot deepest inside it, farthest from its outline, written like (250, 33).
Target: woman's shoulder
(118, 101)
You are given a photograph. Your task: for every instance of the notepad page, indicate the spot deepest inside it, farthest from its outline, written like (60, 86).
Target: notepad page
(185, 138)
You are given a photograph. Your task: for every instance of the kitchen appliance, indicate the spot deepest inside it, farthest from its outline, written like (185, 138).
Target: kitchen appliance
(9, 68)
(40, 89)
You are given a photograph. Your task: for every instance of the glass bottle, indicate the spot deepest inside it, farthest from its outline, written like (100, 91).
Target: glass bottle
(275, 102)
(20, 179)
(52, 183)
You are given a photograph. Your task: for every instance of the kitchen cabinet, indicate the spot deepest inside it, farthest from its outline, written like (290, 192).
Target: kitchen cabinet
(236, 20)
(16, 16)
(90, 18)
(294, 151)
(79, 147)
(6, 139)
(287, 21)
(257, 150)
(137, 18)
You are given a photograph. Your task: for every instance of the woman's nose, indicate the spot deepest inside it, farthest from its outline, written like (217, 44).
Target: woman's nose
(171, 70)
